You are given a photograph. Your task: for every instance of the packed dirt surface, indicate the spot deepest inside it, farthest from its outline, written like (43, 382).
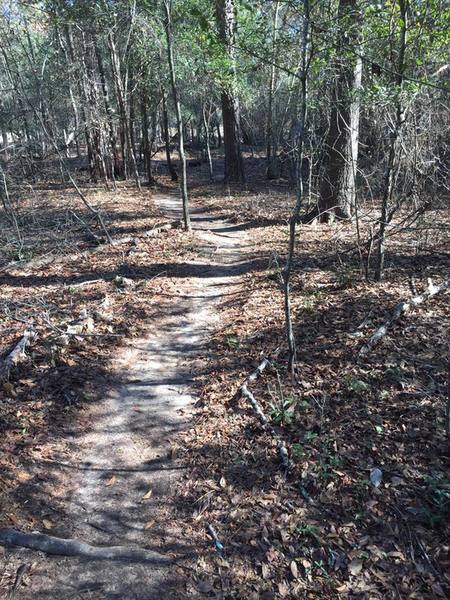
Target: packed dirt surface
(124, 469)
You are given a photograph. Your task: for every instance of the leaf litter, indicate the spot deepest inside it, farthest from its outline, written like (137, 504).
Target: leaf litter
(362, 510)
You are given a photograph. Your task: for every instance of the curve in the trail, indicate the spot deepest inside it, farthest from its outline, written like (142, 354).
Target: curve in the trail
(123, 469)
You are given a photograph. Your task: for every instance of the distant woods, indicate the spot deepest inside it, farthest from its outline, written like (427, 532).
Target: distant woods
(106, 86)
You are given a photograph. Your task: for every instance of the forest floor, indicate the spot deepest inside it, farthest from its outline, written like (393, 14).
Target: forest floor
(197, 313)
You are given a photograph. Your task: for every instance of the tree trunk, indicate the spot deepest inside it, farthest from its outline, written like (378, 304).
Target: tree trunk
(90, 95)
(172, 171)
(272, 171)
(121, 102)
(132, 114)
(176, 101)
(72, 60)
(219, 136)
(338, 188)
(147, 146)
(4, 132)
(116, 169)
(301, 126)
(388, 188)
(234, 166)
(205, 121)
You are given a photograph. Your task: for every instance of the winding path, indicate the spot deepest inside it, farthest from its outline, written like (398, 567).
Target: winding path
(123, 467)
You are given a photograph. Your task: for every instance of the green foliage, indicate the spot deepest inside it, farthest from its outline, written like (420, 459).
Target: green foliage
(282, 411)
(438, 501)
(358, 386)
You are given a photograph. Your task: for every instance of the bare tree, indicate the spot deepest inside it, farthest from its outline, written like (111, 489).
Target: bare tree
(270, 149)
(388, 185)
(304, 58)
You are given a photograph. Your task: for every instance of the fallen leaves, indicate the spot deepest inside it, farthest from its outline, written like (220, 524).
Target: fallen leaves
(355, 566)
(332, 516)
(294, 569)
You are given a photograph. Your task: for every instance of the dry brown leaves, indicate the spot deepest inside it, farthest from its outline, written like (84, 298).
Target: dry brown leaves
(322, 529)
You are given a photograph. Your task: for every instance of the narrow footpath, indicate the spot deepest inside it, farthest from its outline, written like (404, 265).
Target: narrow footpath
(124, 469)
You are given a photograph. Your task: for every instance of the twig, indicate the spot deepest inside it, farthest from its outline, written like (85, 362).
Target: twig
(244, 392)
(20, 574)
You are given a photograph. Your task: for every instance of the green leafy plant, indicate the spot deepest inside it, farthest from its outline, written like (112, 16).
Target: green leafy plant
(310, 436)
(232, 342)
(394, 374)
(298, 450)
(438, 500)
(346, 276)
(282, 412)
(309, 531)
(358, 386)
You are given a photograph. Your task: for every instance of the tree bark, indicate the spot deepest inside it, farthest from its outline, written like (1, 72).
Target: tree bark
(116, 166)
(234, 166)
(147, 145)
(338, 189)
(205, 121)
(301, 125)
(121, 102)
(72, 59)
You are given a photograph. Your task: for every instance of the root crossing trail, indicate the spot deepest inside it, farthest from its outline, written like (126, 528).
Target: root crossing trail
(123, 468)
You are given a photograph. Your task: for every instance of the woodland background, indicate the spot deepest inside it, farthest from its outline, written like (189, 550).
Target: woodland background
(323, 127)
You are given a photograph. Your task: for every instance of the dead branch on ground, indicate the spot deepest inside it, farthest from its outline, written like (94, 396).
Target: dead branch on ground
(399, 310)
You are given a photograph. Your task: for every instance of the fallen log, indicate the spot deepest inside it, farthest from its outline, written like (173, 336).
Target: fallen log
(150, 233)
(17, 353)
(399, 310)
(72, 547)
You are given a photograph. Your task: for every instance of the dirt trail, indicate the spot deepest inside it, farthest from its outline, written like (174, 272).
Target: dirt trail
(123, 469)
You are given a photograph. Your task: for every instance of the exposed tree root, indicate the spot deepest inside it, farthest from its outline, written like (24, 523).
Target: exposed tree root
(399, 310)
(71, 547)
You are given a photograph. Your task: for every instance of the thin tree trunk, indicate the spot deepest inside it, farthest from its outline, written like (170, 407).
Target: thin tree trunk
(72, 60)
(147, 146)
(205, 121)
(90, 95)
(338, 187)
(219, 137)
(121, 102)
(270, 156)
(176, 101)
(387, 215)
(132, 115)
(299, 200)
(165, 119)
(4, 133)
(116, 167)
